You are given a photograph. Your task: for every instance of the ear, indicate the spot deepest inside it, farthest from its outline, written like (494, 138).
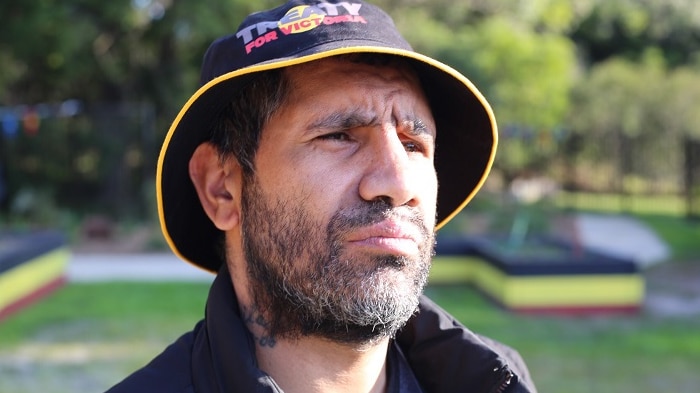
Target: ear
(218, 185)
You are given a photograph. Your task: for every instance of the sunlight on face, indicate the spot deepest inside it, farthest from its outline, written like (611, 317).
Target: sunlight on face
(338, 218)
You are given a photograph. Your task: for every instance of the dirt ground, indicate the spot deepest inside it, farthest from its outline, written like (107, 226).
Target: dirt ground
(673, 289)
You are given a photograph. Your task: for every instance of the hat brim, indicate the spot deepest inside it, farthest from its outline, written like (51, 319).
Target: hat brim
(466, 146)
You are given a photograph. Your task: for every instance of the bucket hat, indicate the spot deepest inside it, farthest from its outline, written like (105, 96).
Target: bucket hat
(295, 33)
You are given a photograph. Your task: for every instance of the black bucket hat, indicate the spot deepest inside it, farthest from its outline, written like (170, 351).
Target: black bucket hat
(298, 32)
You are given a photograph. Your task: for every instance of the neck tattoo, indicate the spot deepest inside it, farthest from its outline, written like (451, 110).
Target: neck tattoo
(257, 323)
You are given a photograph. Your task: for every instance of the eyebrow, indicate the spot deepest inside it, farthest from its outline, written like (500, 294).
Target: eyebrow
(418, 127)
(345, 121)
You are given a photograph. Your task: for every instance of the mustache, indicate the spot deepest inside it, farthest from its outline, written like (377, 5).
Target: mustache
(367, 213)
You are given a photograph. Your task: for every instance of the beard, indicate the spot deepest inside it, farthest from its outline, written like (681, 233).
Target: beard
(304, 284)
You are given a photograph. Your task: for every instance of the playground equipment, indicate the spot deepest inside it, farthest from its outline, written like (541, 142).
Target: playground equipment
(32, 265)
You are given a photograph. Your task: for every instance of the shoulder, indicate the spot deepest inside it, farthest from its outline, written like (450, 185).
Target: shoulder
(445, 355)
(167, 372)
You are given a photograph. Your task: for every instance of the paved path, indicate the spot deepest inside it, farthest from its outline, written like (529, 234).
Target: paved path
(133, 267)
(619, 235)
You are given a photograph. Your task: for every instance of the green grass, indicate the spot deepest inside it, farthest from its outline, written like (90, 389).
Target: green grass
(671, 205)
(640, 353)
(617, 354)
(682, 235)
(149, 308)
(88, 336)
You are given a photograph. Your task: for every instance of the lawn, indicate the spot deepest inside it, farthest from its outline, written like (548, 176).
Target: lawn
(682, 235)
(85, 337)
(616, 354)
(88, 336)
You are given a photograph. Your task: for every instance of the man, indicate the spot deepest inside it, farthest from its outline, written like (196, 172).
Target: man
(305, 172)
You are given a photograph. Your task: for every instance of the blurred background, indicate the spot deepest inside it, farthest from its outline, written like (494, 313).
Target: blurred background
(598, 109)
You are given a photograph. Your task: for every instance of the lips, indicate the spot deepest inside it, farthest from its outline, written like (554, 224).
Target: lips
(389, 236)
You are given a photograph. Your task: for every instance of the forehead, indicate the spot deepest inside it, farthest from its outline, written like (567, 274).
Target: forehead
(340, 78)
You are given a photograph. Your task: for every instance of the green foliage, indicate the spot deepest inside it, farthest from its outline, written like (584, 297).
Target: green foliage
(603, 104)
(639, 106)
(528, 74)
(525, 74)
(130, 65)
(629, 27)
(93, 160)
(678, 102)
(104, 51)
(553, 70)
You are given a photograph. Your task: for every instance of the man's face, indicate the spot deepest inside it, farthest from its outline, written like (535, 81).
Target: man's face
(338, 219)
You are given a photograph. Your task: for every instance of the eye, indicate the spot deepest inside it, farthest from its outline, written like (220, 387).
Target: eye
(335, 136)
(413, 147)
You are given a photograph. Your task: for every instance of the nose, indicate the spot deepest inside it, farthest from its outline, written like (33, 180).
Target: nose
(390, 172)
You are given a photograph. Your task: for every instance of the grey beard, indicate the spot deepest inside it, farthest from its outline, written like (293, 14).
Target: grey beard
(302, 286)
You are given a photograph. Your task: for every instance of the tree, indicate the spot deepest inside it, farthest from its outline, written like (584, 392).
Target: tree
(629, 27)
(525, 75)
(529, 58)
(639, 112)
(114, 58)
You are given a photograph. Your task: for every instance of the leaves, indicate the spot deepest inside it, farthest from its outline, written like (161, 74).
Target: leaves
(547, 66)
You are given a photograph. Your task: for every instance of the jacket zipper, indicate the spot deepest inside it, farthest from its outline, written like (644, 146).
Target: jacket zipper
(505, 377)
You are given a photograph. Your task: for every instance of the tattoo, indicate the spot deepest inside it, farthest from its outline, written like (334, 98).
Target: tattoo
(253, 319)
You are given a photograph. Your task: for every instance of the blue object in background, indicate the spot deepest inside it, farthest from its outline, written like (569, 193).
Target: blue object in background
(10, 124)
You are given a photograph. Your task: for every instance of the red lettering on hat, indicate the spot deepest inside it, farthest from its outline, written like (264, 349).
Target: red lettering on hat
(260, 41)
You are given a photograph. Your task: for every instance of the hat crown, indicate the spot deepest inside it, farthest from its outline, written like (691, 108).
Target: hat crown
(299, 32)
(300, 27)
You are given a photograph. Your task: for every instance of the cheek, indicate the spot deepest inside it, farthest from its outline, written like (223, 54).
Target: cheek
(321, 190)
(330, 190)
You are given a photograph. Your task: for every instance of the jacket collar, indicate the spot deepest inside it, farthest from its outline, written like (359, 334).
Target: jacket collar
(224, 344)
(447, 357)
(223, 353)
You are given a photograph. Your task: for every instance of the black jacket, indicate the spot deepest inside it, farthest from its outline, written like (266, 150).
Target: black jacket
(218, 356)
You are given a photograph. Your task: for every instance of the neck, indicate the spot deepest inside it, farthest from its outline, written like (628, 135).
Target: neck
(317, 365)
(312, 364)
